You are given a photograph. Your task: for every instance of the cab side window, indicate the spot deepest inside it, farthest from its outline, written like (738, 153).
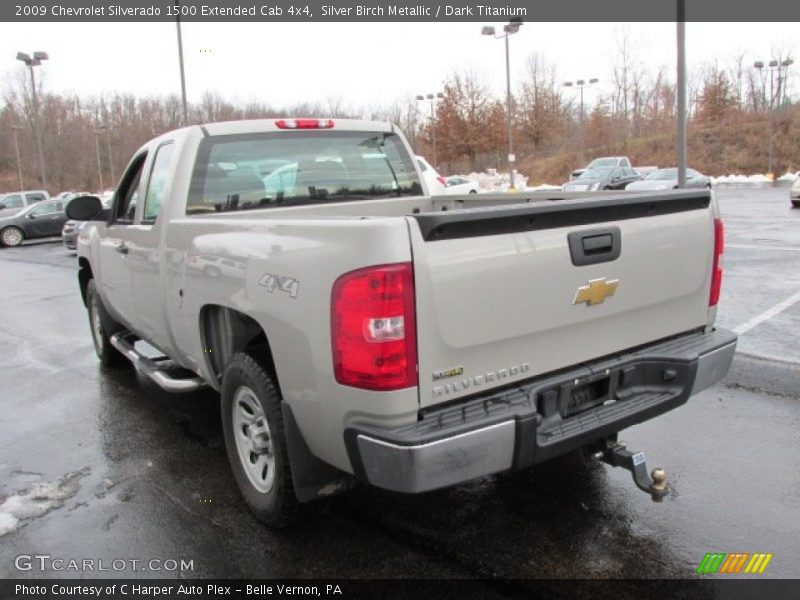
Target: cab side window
(159, 176)
(34, 196)
(14, 201)
(128, 192)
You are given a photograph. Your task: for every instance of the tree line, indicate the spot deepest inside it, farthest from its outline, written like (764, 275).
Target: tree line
(732, 111)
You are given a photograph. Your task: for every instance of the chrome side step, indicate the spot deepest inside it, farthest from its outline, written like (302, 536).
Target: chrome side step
(125, 341)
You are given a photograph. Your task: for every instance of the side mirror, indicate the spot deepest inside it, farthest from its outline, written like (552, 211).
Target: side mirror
(2, 206)
(31, 216)
(86, 208)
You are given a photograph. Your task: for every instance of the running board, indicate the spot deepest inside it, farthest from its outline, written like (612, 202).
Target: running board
(125, 341)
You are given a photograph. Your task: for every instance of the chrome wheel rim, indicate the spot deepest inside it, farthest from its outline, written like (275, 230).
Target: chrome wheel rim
(254, 443)
(96, 325)
(12, 237)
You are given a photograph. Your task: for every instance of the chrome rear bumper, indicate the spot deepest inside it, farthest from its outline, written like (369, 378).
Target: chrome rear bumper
(531, 423)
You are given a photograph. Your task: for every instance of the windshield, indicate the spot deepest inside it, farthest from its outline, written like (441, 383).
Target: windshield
(663, 175)
(600, 173)
(602, 162)
(241, 172)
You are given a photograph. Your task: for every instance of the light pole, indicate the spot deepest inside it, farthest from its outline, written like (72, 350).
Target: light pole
(771, 67)
(37, 59)
(580, 84)
(97, 133)
(785, 64)
(681, 145)
(17, 129)
(107, 130)
(432, 99)
(180, 62)
(510, 28)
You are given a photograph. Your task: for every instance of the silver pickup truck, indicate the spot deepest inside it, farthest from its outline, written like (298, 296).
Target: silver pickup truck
(359, 329)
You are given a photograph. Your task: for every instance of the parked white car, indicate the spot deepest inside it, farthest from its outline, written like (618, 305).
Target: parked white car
(456, 184)
(794, 192)
(434, 182)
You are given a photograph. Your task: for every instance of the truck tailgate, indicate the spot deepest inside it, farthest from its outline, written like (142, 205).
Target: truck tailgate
(506, 293)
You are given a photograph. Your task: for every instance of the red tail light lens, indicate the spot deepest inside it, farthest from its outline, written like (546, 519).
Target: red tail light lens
(373, 329)
(304, 124)
(442, 180)
(716, 273)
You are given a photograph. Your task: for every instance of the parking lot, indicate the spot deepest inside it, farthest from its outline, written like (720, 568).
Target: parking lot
(134, 472)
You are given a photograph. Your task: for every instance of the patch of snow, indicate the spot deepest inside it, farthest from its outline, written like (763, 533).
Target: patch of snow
(37, 501)
(493, 181)
(790, 177)
(757, 179)
(8, 523)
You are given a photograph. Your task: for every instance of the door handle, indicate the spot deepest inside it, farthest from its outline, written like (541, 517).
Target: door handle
(122, 248)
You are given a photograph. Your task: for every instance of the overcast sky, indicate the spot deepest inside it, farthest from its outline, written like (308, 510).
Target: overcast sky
(359, 64)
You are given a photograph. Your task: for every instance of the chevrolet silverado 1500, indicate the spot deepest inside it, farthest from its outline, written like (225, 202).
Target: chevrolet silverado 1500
(358, 328)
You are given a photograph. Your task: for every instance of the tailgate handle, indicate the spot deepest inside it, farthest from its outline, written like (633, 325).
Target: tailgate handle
(594, 246)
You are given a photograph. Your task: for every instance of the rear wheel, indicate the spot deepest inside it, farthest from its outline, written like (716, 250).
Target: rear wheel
(12, 236)
(796, 203)
(252, 422)
(102, 327)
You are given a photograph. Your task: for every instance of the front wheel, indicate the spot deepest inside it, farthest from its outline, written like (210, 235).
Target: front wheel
(102, 327)
(12, 236)
(252, 423)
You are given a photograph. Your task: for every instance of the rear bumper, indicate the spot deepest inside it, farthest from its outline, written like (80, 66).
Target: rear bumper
(534, 421)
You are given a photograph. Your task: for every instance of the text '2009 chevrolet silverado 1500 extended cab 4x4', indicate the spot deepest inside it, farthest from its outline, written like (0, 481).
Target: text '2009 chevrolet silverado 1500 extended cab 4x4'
(358, 328)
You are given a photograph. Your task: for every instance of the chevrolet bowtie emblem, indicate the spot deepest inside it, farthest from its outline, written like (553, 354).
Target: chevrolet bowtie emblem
(596, 292)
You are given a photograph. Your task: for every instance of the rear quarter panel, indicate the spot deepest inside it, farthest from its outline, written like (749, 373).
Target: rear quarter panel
(227, 261)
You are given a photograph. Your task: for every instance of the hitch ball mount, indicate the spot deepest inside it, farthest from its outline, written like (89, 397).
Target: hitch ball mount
(617, 455)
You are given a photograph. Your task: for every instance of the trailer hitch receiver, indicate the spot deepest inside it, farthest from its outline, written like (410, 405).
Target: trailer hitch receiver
(617, 455)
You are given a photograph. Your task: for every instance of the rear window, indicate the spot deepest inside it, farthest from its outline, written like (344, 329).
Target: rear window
(241, 172)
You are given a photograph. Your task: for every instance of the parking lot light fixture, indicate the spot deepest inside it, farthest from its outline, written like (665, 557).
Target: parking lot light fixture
(580, 84)
(31, 62)
(772, 66)
(509, 28)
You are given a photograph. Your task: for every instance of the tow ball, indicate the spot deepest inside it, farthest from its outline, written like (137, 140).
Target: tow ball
(617, 455)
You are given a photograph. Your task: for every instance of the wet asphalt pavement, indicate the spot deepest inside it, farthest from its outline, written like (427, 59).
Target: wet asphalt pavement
(120, 469)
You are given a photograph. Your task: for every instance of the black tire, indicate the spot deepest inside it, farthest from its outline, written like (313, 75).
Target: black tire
(275, 504)
(796, 203)
(102, 327)
(473, 191)
(12, 236)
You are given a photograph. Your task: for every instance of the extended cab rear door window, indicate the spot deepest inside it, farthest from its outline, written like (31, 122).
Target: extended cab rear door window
(157, 185)
(268, 170)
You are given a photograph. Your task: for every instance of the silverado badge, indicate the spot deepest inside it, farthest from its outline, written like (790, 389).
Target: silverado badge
(596, 292)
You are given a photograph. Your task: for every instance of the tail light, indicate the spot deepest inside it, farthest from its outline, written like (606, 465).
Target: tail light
(373, 330)
(716, 273)
(304, 124)
(442, 180)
